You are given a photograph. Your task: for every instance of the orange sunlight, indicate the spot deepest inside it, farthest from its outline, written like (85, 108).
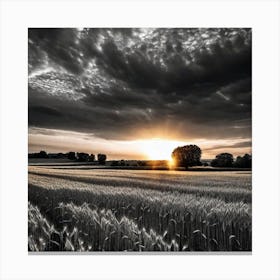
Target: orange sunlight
(158, 149)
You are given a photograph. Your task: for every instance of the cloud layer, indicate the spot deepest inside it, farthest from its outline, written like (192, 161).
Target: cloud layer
(126, 84)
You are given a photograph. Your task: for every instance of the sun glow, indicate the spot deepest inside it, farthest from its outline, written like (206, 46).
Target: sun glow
(158, 149)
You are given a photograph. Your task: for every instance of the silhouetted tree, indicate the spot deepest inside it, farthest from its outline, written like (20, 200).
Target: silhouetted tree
(187, 156)
(247, 160)
(91, 158)
(239, 162)
(243, 162)
(82, 156)
(222, 160)
(214, 163)
(43, 154)
(72, 155)
(101, 158)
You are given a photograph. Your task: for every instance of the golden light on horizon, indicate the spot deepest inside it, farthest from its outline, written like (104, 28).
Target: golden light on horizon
(158, 149)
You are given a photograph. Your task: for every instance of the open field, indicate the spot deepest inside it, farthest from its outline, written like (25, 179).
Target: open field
(78, 209)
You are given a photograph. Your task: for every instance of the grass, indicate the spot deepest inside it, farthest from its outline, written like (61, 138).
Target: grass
(111, 210)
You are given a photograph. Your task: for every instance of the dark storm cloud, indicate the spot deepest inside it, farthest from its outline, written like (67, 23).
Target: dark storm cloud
(59, 45)
(117, 83)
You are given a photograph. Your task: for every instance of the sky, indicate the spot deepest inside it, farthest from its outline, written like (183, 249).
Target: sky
(138, 93)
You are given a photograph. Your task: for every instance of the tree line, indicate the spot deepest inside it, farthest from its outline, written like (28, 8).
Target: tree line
(184, 156)
(190, 155)
(227, 160)
(81, 157)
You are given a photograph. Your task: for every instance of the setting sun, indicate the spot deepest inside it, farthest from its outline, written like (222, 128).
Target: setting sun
(158, 149)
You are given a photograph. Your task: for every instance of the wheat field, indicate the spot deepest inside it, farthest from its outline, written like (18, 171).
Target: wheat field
(81, 210)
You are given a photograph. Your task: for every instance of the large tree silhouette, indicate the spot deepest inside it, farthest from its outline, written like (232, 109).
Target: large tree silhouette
(187, 156)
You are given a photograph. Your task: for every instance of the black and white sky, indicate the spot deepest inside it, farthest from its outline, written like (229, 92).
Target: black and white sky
(119, 90)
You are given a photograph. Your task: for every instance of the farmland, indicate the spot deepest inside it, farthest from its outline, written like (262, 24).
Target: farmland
(77, 209)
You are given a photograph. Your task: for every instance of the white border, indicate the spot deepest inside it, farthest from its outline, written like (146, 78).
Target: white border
(17, 16)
